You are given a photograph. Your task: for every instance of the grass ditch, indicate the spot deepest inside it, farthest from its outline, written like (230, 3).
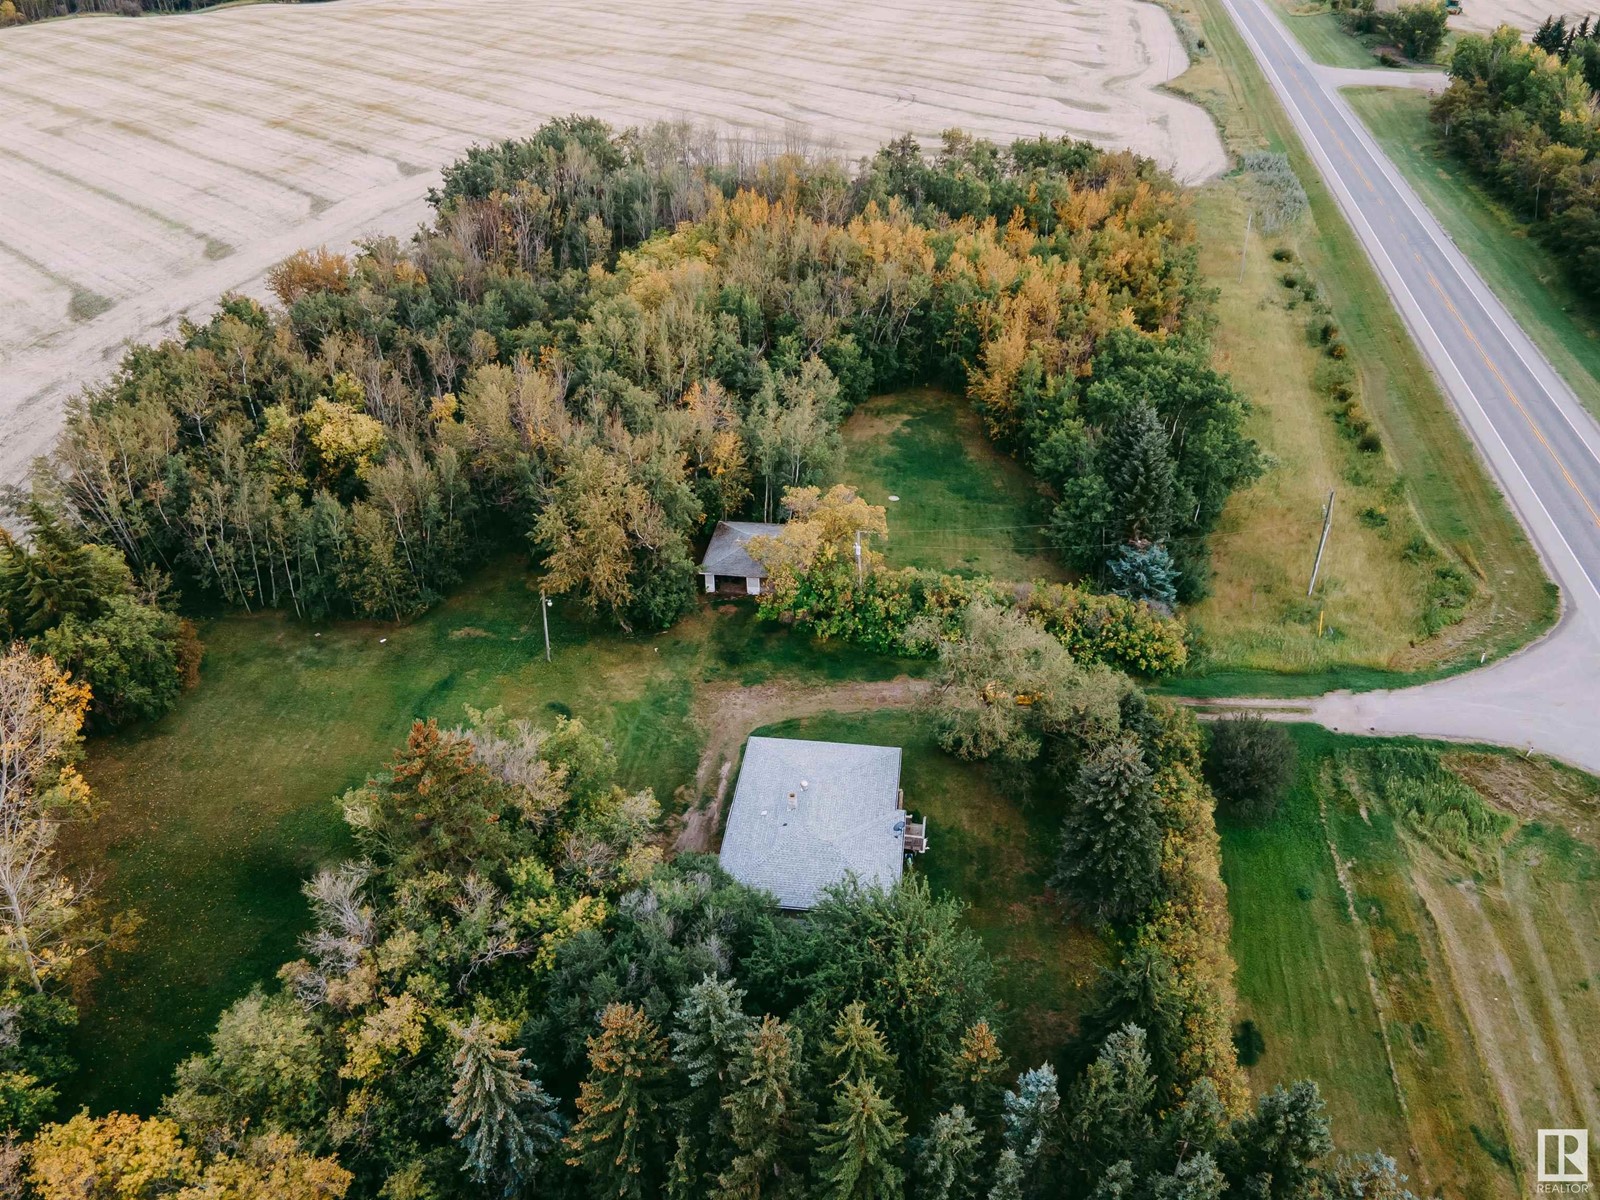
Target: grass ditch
(1430, 480)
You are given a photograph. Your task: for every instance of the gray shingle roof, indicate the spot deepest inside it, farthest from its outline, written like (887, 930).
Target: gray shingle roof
(726, 554)
(846, 818)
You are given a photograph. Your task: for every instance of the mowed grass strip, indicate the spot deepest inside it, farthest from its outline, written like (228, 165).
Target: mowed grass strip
(1524, 274)
(1302, 977)
(209, 821)
(1444, 480)
(1480, 1021)
(995, 855)
(962, 505)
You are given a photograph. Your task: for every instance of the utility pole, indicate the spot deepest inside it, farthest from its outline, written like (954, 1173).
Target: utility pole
(1327, 524)
(544, 615)
(1249, 223)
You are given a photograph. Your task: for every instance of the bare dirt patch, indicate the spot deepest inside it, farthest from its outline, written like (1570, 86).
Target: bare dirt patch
(731, 712)
(134, 151)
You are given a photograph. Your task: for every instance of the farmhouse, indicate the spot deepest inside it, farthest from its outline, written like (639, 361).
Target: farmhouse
(727, 559)
(809, 814)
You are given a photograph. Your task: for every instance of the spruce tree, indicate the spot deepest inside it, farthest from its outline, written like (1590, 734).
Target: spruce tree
(1140, 477)
(946, 1157)
(505, 1121)
(766, 1113)
(616, 1140)
(1031, 1111)
(1111, 1106)
(858, 1152)
(711, 1031)
(1194, 1179)
(1271, 1152)
(856, 1049)
(976, 1076)
(1110, 856)
(1144, 571)
(1007, 1177)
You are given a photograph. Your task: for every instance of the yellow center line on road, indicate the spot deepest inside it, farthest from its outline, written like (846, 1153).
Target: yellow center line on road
(1512, 396)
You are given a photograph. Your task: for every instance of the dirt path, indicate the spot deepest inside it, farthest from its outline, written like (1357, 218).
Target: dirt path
(730, 712)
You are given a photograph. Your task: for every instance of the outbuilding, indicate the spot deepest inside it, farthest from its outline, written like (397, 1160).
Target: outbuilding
(728, 560)
(807, 815)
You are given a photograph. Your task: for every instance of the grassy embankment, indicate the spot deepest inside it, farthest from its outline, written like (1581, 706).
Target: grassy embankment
(1257, 633)
(996, 855)
(210, 820)
(1448, 1004)
(1523, 273)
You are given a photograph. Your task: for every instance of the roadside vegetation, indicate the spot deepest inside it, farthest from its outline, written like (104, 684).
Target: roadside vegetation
(1410, 928)
(1356, 34)
(1521, 118)
(1427, 471)
(1525, 273)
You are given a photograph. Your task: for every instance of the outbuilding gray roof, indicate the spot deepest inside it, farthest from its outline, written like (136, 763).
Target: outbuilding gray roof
(807, 814)
(726, 554)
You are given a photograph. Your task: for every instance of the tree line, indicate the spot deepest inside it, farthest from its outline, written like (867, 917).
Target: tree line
(607, 341)
(1523, 118)
(17, 12)
(506, 992)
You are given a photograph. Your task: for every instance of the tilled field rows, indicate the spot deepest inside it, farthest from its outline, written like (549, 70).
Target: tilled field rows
(149, 164)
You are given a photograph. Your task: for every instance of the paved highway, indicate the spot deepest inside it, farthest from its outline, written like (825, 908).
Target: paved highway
(1542, 446)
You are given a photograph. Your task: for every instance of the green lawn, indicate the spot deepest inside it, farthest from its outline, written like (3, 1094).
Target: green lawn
(963, 506)
(995, 855)
(1301, 978)
(1490, 1017)
(1326, 40)
(1524, 274)
(210, 820)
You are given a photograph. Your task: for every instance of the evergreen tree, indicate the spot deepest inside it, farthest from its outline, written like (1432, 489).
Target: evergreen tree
(712, 1030)
(946, 1157)
(506, 1121)
(1007, 1177)
(976, 1076)
(1144, 571)
(1110, 856)
(1198, 1126)
(1111, 1106)
(1272, 1151)
(858, 1151)
(1365, 1177)
(766, 1116)
(615, 1141)
(1194, 1179)
(1117, 1183)
(1032, 1124)
(856, 1050)
(1031, 1112)
(1139, 476)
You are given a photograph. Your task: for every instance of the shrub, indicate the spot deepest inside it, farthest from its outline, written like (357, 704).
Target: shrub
(1249, 764)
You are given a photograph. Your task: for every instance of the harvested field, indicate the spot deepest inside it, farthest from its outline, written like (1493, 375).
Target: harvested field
(151, 164)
